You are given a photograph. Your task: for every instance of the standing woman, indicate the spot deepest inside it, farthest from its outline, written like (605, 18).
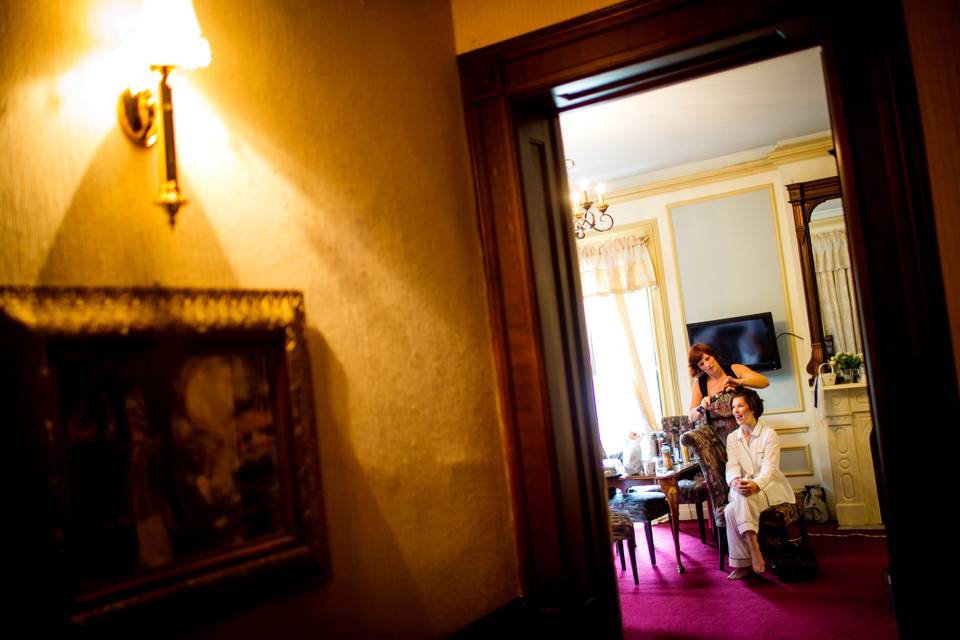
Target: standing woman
(756, 482)
(712, 378)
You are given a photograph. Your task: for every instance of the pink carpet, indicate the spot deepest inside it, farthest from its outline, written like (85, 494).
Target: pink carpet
(848, 600)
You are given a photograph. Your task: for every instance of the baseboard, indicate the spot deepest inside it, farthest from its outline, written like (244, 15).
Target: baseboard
(511, 617)
(517, 619)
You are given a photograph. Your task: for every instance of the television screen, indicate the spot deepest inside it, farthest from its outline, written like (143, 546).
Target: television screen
(749, 340)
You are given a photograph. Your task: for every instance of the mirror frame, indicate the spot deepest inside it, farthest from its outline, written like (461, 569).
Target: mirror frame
(805, 196)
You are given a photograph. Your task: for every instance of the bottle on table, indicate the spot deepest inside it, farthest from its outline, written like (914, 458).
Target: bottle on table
(667, 458)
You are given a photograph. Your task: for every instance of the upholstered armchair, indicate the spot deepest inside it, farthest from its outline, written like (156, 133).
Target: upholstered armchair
(693, 491)
(774, 521)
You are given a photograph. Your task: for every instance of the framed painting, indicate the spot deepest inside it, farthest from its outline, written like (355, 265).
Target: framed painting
(165, 439)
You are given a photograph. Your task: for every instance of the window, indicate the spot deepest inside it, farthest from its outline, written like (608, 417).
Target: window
(623, 407)
(628, 332)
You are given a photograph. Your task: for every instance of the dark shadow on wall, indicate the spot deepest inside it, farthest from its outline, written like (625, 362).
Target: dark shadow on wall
(113, 235)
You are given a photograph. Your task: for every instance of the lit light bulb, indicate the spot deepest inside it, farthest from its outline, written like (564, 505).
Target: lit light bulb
(584, 185)
(168, 34)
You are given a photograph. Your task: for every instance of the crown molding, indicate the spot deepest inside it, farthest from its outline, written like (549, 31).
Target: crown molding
(782, 154)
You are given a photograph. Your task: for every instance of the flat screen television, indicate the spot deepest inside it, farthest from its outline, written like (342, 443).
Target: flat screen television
(749, 340)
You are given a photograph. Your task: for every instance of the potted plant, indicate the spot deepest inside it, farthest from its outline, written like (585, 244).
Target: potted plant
(847, 366)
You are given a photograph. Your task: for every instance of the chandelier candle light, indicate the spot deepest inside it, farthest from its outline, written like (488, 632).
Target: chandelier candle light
(585, 217)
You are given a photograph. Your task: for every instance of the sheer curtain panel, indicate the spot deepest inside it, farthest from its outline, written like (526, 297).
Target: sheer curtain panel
(616, 276)
(838, 306)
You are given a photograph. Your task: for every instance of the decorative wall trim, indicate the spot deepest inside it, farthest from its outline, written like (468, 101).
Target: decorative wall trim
(783, 431)
(808, 470)
(781, 155)
(783, 278)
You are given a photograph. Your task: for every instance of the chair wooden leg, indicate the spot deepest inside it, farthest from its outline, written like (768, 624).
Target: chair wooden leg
(803, 528)
(648, 530)
(623, 565)
(722, 545)
(700, 525)
(632, 549)
(713, 521)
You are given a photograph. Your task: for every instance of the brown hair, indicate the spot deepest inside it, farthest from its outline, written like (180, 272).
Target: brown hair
(695, 355)
(753, 399)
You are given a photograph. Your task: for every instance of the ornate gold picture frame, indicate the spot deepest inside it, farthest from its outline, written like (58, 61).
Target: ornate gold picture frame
(165, 439)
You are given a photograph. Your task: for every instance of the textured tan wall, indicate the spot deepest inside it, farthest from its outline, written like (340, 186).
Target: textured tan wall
(323, 150)
(478, 23)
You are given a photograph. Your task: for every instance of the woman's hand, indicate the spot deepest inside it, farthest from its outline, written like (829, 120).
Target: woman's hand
(700, 411)
(729, 382)
(746, 487)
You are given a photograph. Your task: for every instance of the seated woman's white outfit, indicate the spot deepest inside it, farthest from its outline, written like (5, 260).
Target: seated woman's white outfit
(756, 458)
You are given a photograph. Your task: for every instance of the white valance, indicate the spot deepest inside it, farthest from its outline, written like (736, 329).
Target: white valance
(618, 265)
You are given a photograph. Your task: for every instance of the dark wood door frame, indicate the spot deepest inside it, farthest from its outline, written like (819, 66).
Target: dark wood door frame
(890, 228)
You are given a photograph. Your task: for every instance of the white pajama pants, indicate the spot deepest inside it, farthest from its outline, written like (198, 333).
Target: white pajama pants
(742, 514)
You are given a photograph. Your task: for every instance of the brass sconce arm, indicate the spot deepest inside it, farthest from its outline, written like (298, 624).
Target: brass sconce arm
(169, 198)
(139, 119)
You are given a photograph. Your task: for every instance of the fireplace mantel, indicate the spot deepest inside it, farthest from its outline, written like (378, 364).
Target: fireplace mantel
(845, 416)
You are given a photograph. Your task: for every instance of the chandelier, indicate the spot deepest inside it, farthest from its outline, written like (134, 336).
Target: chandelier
(585, 217)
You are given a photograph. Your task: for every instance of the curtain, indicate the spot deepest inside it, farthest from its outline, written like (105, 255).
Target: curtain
(614, 275)
(838, 306)
(618, 265)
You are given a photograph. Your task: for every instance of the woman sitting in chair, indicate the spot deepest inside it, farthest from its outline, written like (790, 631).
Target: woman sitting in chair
(756, 482)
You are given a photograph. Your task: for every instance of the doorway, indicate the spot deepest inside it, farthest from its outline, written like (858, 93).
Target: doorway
(698, 170)
(705, 164)
(512, 93)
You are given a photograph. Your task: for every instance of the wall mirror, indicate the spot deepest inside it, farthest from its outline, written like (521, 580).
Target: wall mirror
(835, 290)
(825, 264)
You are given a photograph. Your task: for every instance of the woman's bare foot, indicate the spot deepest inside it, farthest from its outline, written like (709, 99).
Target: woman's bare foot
(756, 557)
(739, 573)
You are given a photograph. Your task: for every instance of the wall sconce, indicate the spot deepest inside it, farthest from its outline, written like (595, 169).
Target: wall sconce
(167, 37)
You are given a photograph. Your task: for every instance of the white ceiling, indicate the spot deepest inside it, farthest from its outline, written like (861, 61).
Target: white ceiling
(717, 115)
